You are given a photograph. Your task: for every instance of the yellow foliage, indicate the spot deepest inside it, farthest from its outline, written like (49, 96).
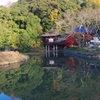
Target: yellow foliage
(88, 22)
(56, 85)
(36, 43)
(14, 40)
(60, 76)
(14, 46)
(96, 1)
(33, 43)
(54, 15)
(67, 0)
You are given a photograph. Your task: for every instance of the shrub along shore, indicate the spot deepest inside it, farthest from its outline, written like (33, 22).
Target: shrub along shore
(10, 57)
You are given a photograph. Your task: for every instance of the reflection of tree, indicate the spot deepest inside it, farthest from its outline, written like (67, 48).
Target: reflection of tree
(45, 91)
(22, 81)
(70, 86)
(79, 86)
(30, 83)
(56, 79)
(81, 82)
(80, 66)
(71, 63)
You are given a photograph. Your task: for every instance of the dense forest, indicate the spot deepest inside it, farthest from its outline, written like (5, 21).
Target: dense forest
(22, 24)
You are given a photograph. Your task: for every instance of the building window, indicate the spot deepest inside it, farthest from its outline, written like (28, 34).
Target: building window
(51, 40)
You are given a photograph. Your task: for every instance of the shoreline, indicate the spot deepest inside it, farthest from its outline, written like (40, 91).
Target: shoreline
(81, 55)
(11, 57)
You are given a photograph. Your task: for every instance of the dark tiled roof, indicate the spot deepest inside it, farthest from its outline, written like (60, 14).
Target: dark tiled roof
(82, 29)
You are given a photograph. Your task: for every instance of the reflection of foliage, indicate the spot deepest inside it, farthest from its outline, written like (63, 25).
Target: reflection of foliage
(45, 91)
(79, 86)
(21, 81)
(30, 83)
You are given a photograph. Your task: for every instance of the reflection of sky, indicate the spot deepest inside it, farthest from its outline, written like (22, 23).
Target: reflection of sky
(5, 97)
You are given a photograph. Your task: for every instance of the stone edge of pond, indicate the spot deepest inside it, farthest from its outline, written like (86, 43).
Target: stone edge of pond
(17, 61)
(88, 56)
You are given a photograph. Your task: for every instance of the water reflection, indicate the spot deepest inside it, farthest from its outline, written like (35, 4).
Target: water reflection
(11, 66)
(55, 61)
(77, 66)
(53, 78)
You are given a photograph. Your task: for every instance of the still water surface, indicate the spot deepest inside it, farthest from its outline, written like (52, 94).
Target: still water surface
(51, 78)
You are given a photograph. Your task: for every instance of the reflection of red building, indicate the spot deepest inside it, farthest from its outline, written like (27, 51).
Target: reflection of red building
(71, 63)
(77, 66)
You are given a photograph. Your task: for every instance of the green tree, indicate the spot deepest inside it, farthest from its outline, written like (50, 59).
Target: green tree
(19, 28)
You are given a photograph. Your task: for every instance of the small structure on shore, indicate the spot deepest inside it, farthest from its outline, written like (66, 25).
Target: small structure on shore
(53, 42)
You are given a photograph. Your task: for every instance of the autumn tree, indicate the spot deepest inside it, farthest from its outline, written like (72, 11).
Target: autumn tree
(96, 1)
(54, 15)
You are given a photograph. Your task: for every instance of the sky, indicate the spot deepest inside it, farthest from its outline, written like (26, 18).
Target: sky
(4, 2)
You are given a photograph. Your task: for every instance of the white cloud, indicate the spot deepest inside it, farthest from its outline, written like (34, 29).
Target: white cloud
(4, 2)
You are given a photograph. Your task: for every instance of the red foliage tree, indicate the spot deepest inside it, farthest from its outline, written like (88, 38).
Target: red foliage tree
(75, 38)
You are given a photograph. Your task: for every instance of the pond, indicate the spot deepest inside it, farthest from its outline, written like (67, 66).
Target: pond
(56, 77)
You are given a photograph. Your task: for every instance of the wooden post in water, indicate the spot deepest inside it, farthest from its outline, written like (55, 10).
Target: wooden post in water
(53, 50)
(48, 51)
(56, 51)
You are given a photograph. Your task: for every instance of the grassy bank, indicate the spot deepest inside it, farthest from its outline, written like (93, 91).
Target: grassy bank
(9, 57)
(83, 50)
